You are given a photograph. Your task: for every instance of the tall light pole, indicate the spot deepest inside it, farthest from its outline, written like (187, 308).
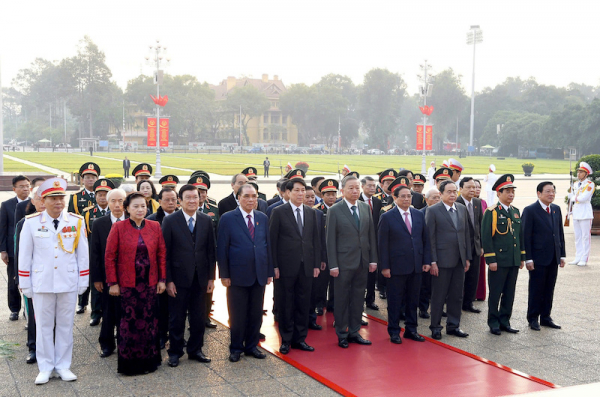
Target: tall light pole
(424, 91)
(157, 53)
(474, 36)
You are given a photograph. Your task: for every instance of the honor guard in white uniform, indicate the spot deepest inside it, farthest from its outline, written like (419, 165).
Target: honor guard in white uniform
(457, 170)
(580, 196)
(54, 269)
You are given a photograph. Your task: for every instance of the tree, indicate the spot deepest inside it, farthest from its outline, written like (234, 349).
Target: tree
(450, 103)
(299, 102)
(252, 103)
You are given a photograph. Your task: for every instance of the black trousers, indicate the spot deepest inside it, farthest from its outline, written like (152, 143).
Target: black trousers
(126, 172)
(405, 287)
(293, 306)
(502, 285)
(266, 173)
(381, 281)
(371, 279)
(331, 294)
(425, 292)
(163, 315)
(111, 317)
(14, 297)
(30, 324)
(318, 294)
(245, 316)
(209, 303)
(471, 281)
(447, 287)
(84, 299)
(542, 280)
(188, 301)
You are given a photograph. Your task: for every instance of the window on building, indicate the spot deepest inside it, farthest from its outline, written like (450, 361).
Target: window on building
(284, 119)
(284, 136)
(266, 119)
(265, 134)
(274, 118)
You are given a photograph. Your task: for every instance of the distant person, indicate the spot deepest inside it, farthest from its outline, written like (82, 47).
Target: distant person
(266, 165)
(91, 150)
(126, 166)
(580, 195)
(430, 172)
(490, 180)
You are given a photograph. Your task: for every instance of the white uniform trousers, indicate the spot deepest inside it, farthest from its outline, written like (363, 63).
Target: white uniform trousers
(490, 197)
(583, 229)
(54, 347)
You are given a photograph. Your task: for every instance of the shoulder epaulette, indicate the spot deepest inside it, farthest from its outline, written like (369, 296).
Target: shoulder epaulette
(85, 209)
(316, 206)
(377, 196)
(211, 204)
(75, 215)
(33, 215)
(387, 207)
(491, 207)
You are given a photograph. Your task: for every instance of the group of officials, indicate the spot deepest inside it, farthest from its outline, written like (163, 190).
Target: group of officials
(327, 245)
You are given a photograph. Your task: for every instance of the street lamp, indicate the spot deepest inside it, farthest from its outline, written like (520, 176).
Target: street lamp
(155, 58)
(474, 36)
(425, 89)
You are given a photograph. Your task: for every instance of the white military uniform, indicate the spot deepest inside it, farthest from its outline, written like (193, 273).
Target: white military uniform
(455, 165)
(581, 196)
(490, 180)
(54, 276)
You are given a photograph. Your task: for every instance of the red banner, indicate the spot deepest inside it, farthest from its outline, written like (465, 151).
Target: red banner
(429, 137)
(419, 137)
(164, 132)
(151, 131)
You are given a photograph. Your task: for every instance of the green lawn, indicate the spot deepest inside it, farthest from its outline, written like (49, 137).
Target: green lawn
(228, 164)
(15, 166)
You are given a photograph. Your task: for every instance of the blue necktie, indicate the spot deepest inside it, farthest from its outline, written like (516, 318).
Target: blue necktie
(355, 215)
(191, 225)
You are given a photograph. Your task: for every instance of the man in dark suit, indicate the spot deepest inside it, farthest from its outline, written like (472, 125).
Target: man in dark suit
(404, 253)
(111, 305)
(352, 254)
(295, 248)
(473, 205)
(367, 196)
(21, 187)
(190, 242)
(245, 267)
(126, 166)
(315, 183)
(230, 202)
(545, 252)
(21, 209)
(280, 189)
(450, 258)
(432, 197)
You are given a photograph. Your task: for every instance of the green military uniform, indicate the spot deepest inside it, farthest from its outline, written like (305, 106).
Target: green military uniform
(84, 199)
(503, 243)
(213, 211)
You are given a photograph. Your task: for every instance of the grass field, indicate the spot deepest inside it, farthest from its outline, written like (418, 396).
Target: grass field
(228, 164)
(15, 166)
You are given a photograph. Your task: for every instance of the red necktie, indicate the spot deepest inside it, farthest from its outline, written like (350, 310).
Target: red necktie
(370, 204)
(250, 226)
(548, 209)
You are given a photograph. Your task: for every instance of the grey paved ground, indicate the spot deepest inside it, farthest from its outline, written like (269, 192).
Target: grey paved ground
(566, 357)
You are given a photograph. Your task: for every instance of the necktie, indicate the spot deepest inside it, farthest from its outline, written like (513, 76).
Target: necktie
(355, 215)
(299, 220)
(548, 210)
(407, 222)
(92, 195)
(55, 224)
(250, 226)
(191, 225)
(454, 217)
(103, 212)
(471, 214)
(370, 204)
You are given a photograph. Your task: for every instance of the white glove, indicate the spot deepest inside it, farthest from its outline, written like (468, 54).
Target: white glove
(81, 290)
(27, 292)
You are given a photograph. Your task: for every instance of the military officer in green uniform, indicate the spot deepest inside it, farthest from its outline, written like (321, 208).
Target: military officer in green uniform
(504, 252)
(91, 213)
(252, 175)
(385, 178)
(141, 172)
(205, 174)
(203, 184)
(396, 183)
(441, 175)
(84, 198)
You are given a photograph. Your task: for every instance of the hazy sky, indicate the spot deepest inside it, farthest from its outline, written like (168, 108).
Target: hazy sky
(300, 41)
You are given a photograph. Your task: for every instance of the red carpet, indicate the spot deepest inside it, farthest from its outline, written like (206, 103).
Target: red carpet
(383, 369)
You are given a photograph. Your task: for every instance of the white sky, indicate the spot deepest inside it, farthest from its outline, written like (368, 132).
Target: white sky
(555, 41)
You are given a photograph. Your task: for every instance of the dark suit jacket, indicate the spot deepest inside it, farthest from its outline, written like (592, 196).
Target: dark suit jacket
(290, 250)
(448, 244)
(7, 226)
(418, 200)
(186, 256)
(21, 210)
(126, 164)
(159, 215)
(376, 209)
(100, 231)
(400, 251)
(262, 206)
(240, 258)
(347, 246)
(475, 229)
(544, 234)
(322, 234)
(227, 204)
(273, 200)
(273, 206)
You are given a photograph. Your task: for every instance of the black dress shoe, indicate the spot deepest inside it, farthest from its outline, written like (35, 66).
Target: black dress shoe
(396, 339)
(261, 336)
(343, 343)
(363, 323)
(372, 306)
(106, 353)
(437, 334)
(359, 340)
(210, 324)
(534, 325)
(94, 322)
(256, 354)
(414, 336)
(199, 356)
(303, 346)
(550, 324)
(457, 332)
(80, 309)
(508, 329)
(173, 361)
(314, 326)
(31, 359)
(284, 349)
(14, 316)
(471, 309)
(424, 314)
(319, 311)
(383, 295)
(234, 357)
(495, 331)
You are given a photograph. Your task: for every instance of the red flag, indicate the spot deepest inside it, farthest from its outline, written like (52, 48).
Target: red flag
(164, 132)
(419, 137)
(429, 137)
(151, 131)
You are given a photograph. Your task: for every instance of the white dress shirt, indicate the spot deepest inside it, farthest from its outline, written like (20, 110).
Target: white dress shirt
(245, 215)
(294, 208)
(113, 218)
(187, 218)
(350, 207)
(402, 212)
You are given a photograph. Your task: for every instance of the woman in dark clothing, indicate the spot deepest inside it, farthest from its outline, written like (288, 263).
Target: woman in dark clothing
(136, 270)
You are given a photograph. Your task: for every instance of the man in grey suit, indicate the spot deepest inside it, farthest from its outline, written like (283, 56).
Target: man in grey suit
(352, 254)
(451, 253)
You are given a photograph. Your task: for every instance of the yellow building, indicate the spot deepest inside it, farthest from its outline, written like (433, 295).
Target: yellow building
(273, 127)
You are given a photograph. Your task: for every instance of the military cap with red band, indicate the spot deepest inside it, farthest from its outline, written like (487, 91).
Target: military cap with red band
(169, 180)
(418, 179)
(389, 174)
(504, 182)
(200, 181)
(329, 185)
(142, 169)
(398, 182)
(53, 187)
(443, 173)
(295, 173)
(89, 168)
(103, 185)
